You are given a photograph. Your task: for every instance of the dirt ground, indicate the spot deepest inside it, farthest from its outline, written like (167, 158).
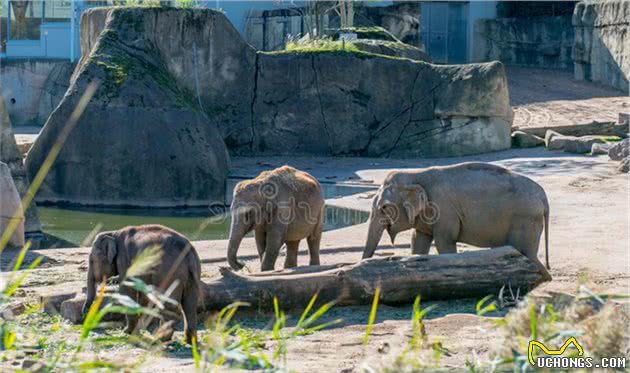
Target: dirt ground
(589, 235)
(551, 98)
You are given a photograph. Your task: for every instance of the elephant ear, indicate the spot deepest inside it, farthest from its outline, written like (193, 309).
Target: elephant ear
(388, 209)
(107, 245)
(415, 200)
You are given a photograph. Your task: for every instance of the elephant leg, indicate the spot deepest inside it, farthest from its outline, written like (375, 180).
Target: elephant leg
(170, 315)
(189, 306)
(445, 236)
(314, 241)
(274, 240)
(261, 236)
(292, 254)
(524, 236)
(420, 243)
(446, 246)
(131, 320)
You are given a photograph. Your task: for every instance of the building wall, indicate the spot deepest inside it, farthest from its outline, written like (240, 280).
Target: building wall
(32, 89)
(478, 10)
(542, 41)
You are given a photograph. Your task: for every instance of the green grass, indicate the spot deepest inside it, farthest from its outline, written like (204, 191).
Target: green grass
(327, 46)
(321, 45)
(611, 138)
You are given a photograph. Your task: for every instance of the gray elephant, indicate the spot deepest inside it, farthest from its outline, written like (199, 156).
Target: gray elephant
(475, 203)
(114, 251)
(284, 205)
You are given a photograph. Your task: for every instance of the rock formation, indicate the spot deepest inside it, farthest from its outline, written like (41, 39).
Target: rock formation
(344, 103)
(602, 42)
(10, 208)
(143, 139)
(169, 77)
(394, 49)
(10, 155)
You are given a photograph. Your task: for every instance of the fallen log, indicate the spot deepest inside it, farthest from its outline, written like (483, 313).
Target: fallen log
(401, 279)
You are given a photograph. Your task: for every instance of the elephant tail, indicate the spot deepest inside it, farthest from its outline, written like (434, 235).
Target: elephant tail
(547, 233)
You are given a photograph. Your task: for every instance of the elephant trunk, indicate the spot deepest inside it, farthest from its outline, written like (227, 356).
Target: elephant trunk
(375, 232)
(91, 290)
(238, 230)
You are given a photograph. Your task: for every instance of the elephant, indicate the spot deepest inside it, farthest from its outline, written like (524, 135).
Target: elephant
(474, 203)
(283, 205)
(114, 251)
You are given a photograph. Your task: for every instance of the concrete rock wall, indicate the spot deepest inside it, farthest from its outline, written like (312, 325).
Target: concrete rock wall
(10, 156)
(322, 103)
(32, 89)
(175, 86)
(602, 42)
(542, 41)
(143, 138)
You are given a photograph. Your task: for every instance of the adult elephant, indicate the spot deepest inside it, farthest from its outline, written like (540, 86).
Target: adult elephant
(475, 203)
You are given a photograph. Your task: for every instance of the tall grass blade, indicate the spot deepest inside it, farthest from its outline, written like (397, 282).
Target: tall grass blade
(145, 261)
(372, 317)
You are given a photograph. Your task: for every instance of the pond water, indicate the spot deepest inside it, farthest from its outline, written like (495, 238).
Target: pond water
(66, 227)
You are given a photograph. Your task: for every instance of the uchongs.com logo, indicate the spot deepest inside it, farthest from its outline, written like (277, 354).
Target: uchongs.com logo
(554, 359)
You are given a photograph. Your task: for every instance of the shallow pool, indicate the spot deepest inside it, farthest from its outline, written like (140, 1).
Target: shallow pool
(70, 227)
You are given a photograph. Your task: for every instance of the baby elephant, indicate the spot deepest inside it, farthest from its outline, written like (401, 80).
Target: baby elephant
(281, 206)
(475, 203)
(113, 252)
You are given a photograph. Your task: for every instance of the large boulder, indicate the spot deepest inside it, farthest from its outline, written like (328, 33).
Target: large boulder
(354, 103)
(522, 139)
(143, 138)
(598, 149)
(620, 150)
(12, 158)
(10, 208)
(571, 144)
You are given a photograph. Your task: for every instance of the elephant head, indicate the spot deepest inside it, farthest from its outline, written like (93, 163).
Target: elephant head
(248, 208)
(395, 208)
(102, 265)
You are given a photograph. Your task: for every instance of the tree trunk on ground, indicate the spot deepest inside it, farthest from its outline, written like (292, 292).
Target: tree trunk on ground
(401, 279)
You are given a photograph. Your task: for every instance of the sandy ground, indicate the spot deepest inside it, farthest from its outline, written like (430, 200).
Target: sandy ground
(589, 235)
(551, 98)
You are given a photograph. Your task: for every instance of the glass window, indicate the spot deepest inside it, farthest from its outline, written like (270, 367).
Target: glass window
(57, 11)
(25, 19)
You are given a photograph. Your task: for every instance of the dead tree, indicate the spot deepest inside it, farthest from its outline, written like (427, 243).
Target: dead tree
(401, 279)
